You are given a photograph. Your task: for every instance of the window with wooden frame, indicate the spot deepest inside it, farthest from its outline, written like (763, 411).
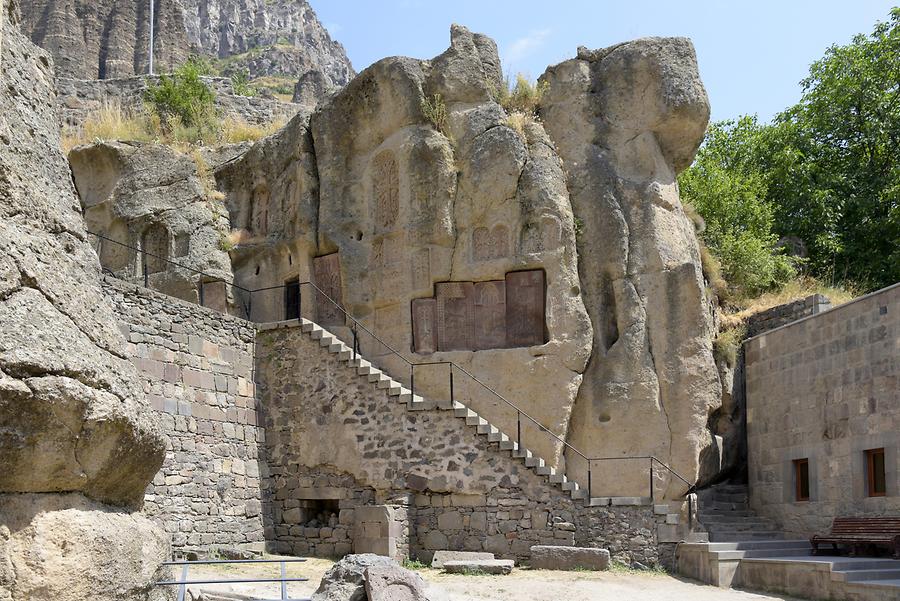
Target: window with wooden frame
(875, 476)
(801, 479)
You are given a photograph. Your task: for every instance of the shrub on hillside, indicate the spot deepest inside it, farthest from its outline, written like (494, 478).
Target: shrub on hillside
(184, 104)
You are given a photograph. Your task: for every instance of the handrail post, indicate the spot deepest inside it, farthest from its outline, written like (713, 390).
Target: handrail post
(519, 429)
(452, 399)
(589, 487)
(412, 379)
(651, 480)
(283, 582)
(144, 268)
(354, 342)
(200, 290)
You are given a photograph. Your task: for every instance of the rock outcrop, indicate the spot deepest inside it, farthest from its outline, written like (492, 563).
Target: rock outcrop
(626, 120)
(77, 443)
(441, 237)
(103, 39)
(373, 577)
(267, 37)
(150, 198)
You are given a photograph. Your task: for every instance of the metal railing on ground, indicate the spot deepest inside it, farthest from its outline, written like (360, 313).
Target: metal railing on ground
(323, 303)
(183, 583)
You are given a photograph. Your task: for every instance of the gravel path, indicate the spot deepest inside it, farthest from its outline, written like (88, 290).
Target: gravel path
(521, 585)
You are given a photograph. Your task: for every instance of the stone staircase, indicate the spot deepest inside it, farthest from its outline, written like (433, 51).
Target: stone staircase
(725, 513)
(414, 402)
(788, 566)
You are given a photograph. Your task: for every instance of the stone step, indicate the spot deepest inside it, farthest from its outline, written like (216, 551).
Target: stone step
(407, 396)
(544, 470)
(732, 537)
(534, 461)
(415, 402)
(769, 545)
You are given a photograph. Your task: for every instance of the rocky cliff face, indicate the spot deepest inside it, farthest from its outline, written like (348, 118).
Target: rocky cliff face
(626, 120)
(451, 234)
(268, 37)
(101, 39)
(77, 443)
(104, 39)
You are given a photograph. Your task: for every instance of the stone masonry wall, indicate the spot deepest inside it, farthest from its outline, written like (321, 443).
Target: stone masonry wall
(826, 389)
(196, 367)
(786, 313)
(327, 428)
(79, 98)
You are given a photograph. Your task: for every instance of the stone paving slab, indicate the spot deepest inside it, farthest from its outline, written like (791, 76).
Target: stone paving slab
(483, 566)
(440, 557)
(551, 557)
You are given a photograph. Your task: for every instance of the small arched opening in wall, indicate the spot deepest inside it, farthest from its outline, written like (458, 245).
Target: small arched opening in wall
(155, 248)
(114, 252)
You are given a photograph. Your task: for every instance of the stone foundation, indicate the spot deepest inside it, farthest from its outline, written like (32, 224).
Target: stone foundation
(196, 367)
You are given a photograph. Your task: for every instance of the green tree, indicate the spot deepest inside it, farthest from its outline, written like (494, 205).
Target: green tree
(726, 186)
(183, 100)
(833, 160)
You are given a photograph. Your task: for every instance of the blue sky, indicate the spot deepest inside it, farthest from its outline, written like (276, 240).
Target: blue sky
(752, 54)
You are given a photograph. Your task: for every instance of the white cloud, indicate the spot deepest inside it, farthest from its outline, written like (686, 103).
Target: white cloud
(523, 47)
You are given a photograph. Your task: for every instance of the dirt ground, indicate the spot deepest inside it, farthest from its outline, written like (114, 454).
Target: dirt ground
(521, 585)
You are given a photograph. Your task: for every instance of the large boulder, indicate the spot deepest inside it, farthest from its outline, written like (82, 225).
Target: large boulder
(368, 576)
(626, 120)
(151, 198)
(73, 418)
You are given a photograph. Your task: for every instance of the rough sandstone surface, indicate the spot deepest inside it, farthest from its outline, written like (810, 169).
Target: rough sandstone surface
(550, 557)
(348, 580)
(72, 418)
(407, 206)
(102, 39)
(168, 211)
(625, 121)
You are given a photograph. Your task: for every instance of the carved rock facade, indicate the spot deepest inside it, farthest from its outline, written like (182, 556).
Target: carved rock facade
(78, 442)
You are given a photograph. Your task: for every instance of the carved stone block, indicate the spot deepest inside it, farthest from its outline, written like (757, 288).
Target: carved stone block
(421, 269)
(490, 244)
(424, 314)
(389, 263)
(327, 277)
(455, 315)
(525, 308)
(490, 315)
(215, 295)
(386, 187)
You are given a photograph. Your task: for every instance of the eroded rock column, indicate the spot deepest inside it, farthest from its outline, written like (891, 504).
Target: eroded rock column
(626, 120)
(77, 443)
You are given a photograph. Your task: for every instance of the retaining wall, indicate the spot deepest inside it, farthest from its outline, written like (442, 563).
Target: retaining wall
(197, 371)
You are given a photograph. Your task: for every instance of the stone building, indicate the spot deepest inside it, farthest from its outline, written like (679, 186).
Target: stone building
(823, 415)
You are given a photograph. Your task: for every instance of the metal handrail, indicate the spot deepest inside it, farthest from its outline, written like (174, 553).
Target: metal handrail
(357, 325)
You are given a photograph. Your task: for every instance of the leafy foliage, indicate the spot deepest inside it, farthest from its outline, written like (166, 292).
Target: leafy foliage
(183, 100)
(435, 110)
(729, 190)
(834, 160)
(826, 171)
(240, 82)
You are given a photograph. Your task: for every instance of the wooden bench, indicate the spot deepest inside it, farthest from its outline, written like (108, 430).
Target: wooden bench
(861, 534)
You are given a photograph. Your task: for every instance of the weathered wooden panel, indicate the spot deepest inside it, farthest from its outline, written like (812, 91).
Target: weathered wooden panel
(525, 308)
(490, 315)
(424, 319)
(455, 315)
(327, 276)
